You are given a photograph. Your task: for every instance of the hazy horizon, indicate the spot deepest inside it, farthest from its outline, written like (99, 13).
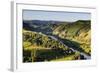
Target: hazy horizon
(54, 20)
(55, 16)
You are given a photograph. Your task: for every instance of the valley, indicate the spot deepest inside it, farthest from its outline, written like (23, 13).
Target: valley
(56, 40)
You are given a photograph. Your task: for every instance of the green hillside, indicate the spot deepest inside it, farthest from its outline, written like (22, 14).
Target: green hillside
(40, 47)
(46, 41)
(79, 31)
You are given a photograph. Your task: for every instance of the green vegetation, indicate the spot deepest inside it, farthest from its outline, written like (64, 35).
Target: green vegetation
(33, 39)
(79, 32)
(56, 42)
(39, 47)
(75, 56)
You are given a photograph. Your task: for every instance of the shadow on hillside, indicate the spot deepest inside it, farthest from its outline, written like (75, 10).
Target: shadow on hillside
(72, 44)
(45, 54)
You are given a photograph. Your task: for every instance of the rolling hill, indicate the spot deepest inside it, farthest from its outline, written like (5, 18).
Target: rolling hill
(56, 40)
(79, 31)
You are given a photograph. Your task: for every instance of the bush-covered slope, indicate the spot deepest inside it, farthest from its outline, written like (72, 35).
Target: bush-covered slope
(38, 39)
(40, 47)
(79, 31)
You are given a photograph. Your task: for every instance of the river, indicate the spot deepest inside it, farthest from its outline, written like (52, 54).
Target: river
(81, 53)
(62, 42)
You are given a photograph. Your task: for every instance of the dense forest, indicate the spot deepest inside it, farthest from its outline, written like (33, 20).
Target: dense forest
(56, 40)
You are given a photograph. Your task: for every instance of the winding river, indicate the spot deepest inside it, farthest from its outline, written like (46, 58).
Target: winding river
(81, 53)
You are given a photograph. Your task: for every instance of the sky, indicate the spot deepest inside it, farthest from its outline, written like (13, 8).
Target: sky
(56, 16)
